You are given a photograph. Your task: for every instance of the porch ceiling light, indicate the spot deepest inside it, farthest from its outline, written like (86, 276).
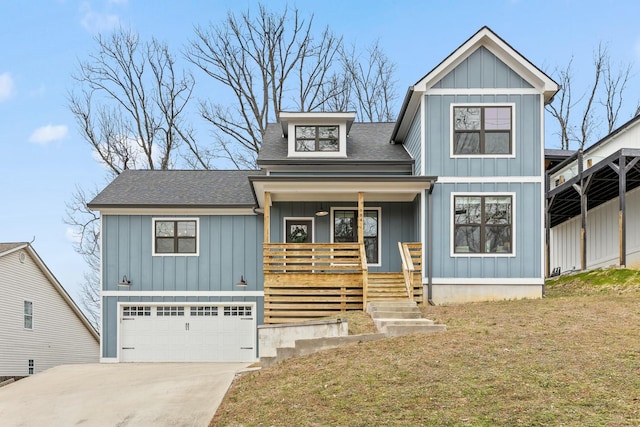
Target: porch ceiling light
(322, 211)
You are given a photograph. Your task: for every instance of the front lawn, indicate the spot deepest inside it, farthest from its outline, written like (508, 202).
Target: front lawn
(571, 359)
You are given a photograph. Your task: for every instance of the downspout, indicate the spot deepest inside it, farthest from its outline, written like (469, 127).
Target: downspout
(430, 245)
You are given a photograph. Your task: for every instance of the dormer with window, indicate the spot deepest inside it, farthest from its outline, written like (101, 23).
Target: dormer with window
(316, 135)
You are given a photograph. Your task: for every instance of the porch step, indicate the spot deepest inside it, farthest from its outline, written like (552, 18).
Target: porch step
(313, 345)
(389, 287)
(395, 318)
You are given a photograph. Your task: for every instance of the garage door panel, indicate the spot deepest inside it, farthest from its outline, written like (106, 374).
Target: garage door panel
(178, 333)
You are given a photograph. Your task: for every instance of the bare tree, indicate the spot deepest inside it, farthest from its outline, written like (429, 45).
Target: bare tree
(130, 107)
(615, 82)
(372, 84)
(87, 228)
(272, 62)
(606, 89)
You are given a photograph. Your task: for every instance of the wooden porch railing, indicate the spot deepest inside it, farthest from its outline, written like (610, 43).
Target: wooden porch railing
(309, 280)
(407, 268)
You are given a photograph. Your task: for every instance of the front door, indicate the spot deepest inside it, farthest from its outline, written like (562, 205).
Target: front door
(298, 230)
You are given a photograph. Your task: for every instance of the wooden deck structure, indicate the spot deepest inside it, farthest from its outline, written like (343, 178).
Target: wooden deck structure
(303, 281)
(307, 281)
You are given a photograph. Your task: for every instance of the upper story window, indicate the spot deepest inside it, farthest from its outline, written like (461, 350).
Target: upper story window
(483, 130)
(483, 224)
(317, 138)
(311, 135)
(175, 236)
(28, 315)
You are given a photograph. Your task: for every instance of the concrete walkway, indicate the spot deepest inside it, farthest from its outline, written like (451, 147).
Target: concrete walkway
(127, 394)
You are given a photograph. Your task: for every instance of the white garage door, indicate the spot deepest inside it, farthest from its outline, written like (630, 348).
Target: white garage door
(220, 332)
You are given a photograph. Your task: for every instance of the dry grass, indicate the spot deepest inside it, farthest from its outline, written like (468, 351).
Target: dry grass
(571, 359)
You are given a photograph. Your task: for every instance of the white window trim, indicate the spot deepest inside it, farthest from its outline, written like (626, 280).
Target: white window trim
(24, 315)
(298, 218)
(452, 234)
(175, 218)
(367, 208)
(342, 139)
(482, 156)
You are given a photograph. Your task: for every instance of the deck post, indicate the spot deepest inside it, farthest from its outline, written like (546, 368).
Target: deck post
(267, 217)
(583, 213)
(622, 215)
(360, 217)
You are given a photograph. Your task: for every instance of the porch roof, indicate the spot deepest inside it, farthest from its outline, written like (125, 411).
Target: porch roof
(399, 188)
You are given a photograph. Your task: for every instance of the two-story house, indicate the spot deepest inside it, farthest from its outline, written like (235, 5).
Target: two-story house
(444, 205)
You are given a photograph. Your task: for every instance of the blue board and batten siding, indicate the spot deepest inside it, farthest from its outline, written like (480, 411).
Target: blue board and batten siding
(412, 144)
(398, 224)
(527, 226)
(229, 247)
(482, 69)
(527, 143)
(519, 175)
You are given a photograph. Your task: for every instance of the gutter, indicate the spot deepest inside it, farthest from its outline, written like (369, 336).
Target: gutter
(403, 110)
(430, 245)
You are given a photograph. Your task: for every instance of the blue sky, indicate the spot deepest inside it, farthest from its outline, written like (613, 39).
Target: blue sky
(43, 158)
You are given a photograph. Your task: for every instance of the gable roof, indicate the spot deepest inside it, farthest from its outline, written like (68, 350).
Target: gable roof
(178, 189)
(366, 143)
(7, 248)
(484, 37)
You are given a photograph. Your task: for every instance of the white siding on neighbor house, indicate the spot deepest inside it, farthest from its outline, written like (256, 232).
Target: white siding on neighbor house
(602, 237)
(58, 336)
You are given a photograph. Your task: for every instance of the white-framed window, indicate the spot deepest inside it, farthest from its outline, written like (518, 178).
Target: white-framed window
(344, 229)
(31, 367)
(483, 130)
(176, 236)
(483, 224)
(324, 138)
(28, 314)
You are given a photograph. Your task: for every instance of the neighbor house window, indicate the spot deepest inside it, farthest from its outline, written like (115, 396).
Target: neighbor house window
(175, 236)
(482, 130)
(345, 230)
(317, 138)
(483, 224)
(31, 367)
(28, 315)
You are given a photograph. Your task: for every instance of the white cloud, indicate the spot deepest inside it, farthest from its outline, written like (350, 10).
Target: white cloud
(72, 235)
(6, 86)
(49, 133)
(96, 22)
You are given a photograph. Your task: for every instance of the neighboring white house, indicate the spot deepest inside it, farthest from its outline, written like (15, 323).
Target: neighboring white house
(593, 205)
(40, 325)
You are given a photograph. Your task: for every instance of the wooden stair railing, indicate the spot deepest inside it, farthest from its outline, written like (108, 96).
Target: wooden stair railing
(407, 268)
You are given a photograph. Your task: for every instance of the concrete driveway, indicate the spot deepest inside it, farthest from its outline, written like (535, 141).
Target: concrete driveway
(127, 394)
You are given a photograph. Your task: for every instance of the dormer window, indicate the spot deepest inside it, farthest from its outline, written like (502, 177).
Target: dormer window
(317, 138)
(316, 135)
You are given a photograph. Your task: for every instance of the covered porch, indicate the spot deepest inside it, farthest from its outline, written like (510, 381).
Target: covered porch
(332, 244)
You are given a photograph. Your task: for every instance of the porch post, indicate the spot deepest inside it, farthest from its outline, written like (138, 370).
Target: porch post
(360, 218)
(267, 217)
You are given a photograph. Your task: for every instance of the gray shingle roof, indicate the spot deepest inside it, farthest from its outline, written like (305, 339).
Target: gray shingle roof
(367, 142)
(178, 188)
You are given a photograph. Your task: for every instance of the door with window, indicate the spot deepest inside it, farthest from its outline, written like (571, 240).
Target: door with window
(298, 230)
(345, 230)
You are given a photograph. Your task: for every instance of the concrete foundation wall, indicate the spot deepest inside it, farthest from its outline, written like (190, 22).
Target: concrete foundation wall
(457, 294)
(272, 337)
